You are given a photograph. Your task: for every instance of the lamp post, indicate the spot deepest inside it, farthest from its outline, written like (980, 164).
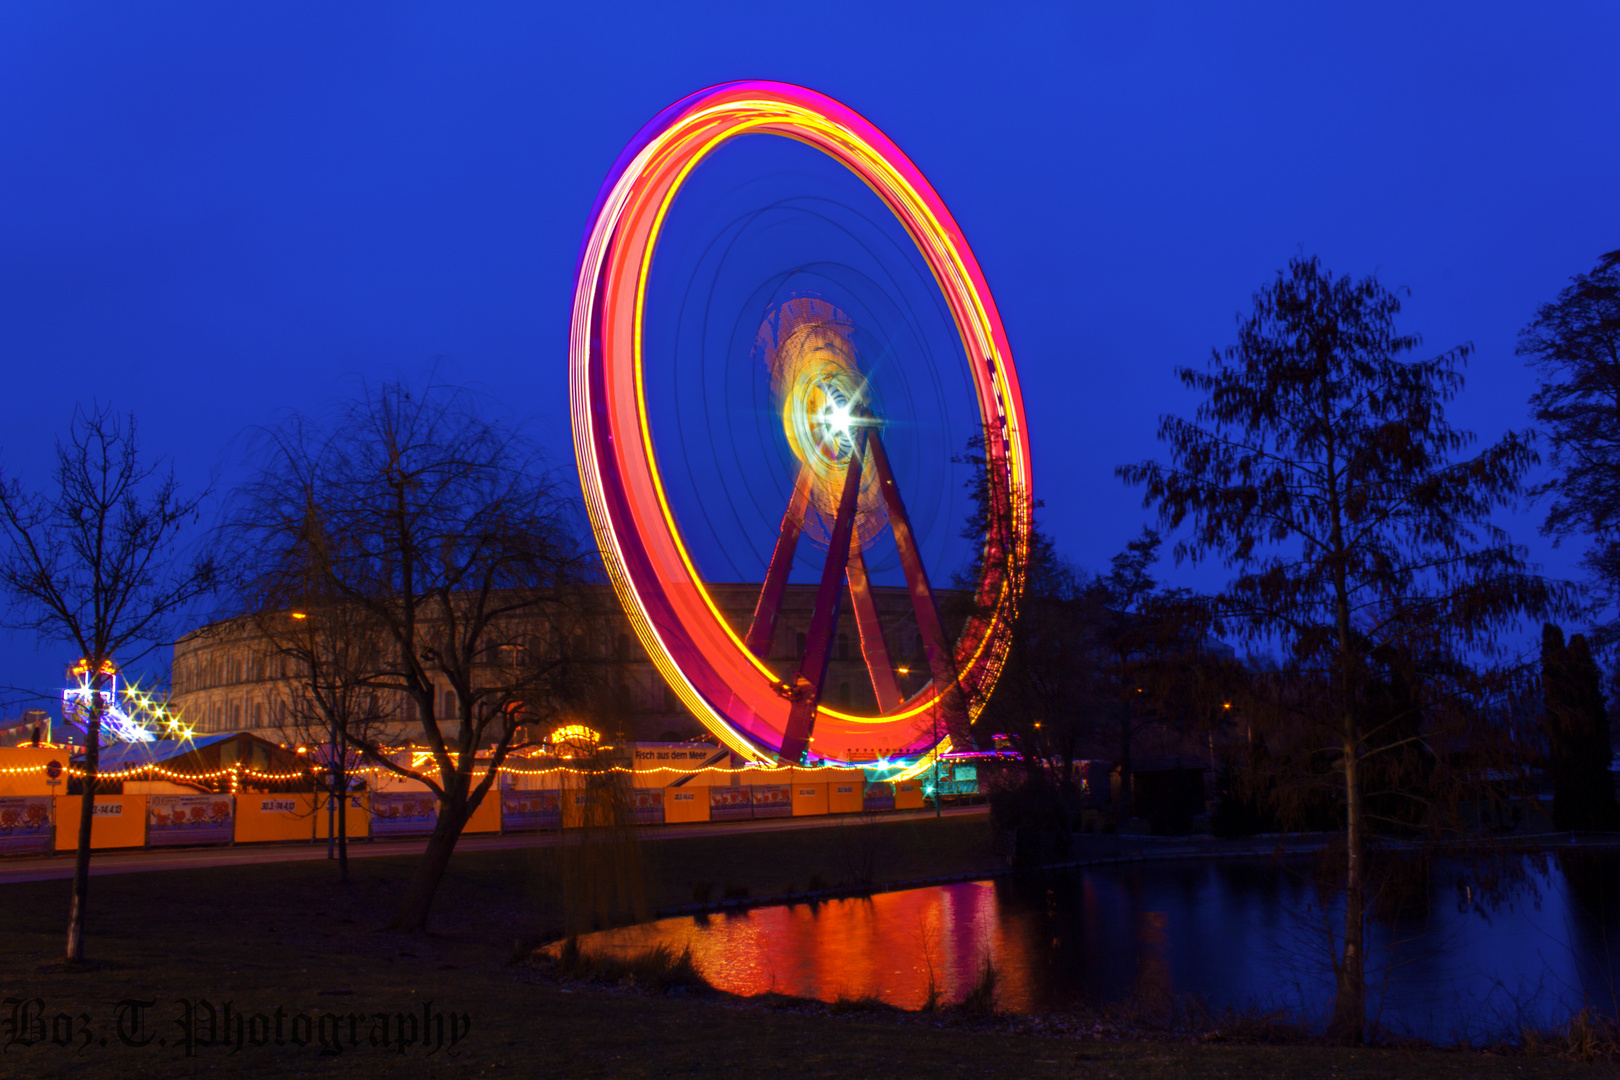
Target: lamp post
(332, 797)
(334, 774)
(938, 795)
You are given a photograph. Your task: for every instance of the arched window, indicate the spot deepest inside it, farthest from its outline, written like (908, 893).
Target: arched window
(843, 646)
(802, 645)
(843, 693)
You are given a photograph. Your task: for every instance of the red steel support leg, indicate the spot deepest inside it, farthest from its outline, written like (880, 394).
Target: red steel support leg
(824, 619)
(873, 648)
(762, 631)
(941, 664)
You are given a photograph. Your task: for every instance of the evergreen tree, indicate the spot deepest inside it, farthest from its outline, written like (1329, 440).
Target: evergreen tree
(1579, 745)
(1322, 469)
(1574, 344)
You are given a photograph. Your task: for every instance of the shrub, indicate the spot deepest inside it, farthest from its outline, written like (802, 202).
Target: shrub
(981, 1000)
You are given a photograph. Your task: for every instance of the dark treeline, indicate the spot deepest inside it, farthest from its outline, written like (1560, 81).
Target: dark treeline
(1388, 696)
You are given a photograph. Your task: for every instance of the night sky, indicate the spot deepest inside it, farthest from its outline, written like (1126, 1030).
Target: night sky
(213, 214)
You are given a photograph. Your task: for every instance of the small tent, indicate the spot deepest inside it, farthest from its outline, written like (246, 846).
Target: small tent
(237, 760)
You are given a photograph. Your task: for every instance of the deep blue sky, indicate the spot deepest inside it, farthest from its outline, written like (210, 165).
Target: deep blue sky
(213, 213)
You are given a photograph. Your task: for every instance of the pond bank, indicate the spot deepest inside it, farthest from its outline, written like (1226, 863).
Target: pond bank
(1171, 924)
(287, 935)
(1584, 1042)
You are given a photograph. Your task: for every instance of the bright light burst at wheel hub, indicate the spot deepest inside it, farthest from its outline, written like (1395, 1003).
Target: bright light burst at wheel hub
(845, 492)
(824, 401)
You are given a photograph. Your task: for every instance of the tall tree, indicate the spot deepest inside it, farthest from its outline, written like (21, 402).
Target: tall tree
(1580, 748)
(1321, 468)
(95, 561)
(1574, 343)
(444, 535)
(1048, 681)
(1151, 648)
(327, 650)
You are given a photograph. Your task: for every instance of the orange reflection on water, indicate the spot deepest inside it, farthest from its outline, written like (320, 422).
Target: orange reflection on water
(883, 945)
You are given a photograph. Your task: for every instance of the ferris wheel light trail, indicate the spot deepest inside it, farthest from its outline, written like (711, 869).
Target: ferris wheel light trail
(722, 676)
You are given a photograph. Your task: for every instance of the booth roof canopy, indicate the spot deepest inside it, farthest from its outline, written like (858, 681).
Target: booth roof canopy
(134, 755)
(205, 752)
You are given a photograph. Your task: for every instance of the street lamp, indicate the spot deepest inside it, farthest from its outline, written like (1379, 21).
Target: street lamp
(333, 795)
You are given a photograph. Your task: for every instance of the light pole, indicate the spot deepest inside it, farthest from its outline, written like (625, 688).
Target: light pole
(938, 795)
(332, 798)
(333, 772)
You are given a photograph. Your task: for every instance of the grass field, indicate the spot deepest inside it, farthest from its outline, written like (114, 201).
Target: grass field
(286, 935)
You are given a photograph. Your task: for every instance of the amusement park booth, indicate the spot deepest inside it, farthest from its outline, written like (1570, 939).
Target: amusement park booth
(223, 763)
(211, 789)
(402, 806)
(23, 769)
(119, 821)
(732, 794)
(678, 783)
(358, 823)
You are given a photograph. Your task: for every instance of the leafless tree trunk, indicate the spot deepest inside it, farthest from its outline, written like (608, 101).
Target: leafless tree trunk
(94, 562)
(87, 809)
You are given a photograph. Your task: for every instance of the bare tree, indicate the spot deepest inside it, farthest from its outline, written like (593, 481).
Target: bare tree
(601, 870)
(443, 531)
(95, 561)
(326, 649)
(331, 710)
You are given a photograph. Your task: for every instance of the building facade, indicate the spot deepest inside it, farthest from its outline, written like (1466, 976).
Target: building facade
(228, 676)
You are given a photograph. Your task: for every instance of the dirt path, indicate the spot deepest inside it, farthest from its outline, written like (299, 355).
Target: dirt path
(21, 868)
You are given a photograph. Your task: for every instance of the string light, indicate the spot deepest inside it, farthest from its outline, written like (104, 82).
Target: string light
(423, 761)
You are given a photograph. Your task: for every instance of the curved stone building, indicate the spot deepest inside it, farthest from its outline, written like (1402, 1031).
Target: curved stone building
(227, 676)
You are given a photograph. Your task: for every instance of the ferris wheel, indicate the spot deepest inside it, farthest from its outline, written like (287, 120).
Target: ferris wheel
(820, 393)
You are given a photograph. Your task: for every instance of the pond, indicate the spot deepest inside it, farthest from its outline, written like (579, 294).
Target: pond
(1242, 933)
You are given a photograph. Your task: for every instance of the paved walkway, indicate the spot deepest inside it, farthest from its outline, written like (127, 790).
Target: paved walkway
(53, 867)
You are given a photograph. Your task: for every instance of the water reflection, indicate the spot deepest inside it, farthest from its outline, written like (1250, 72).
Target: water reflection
(1244, 933)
